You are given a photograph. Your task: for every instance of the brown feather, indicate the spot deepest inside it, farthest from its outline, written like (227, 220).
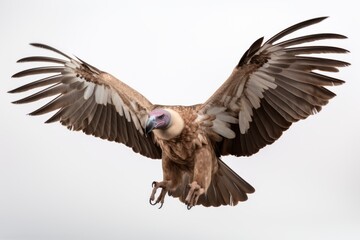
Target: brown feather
(48, 92)
(42, 59)
(294, 28)
(314, 49)
(309, 38)
(39, 83)
(39, 70)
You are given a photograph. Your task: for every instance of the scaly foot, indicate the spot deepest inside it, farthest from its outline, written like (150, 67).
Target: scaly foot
(194, 193)
(161, 197)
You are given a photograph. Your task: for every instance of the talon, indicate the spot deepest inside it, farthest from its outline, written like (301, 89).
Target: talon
(194, 194)
(151, 202)
(161, 197)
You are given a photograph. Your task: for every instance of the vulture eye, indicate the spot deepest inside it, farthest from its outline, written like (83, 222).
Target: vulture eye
(161, 117)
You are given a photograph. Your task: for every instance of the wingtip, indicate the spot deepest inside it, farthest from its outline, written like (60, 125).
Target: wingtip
(16, 75)
(40, 45)
(319, 19)
(37, 44)
(34, 113)
(324, 17)
(340, 36)
(341, 82)
(16, 90)
(16, 102)
(315, 20)
(21, 60)
(294, 28)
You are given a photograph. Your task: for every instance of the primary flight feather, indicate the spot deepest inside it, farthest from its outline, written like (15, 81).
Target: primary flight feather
(274, 84)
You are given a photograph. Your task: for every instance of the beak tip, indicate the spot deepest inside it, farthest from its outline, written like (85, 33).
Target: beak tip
(150, 124)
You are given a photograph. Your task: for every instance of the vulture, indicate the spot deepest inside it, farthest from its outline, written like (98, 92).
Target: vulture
(275, 84)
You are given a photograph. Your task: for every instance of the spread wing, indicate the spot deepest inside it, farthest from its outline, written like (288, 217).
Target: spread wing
(89, 100)
(273, 85)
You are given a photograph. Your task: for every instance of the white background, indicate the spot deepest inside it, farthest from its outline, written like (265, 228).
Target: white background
(57, 184)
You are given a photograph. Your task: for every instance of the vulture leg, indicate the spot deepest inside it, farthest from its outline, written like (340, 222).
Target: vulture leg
(164, 186)
(203, 168)
(193, 195)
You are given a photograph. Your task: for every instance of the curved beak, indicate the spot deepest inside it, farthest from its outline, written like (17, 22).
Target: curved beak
(150, 124)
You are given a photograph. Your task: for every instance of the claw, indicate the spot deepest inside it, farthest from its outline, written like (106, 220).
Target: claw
(151, 203)
(156, 202)
(194, 194)
(161, 197)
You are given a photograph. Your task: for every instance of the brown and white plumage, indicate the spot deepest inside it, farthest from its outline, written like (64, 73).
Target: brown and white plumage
(274, 84)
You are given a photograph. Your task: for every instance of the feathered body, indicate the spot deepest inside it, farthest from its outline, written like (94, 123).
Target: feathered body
(189, 156)
(274, 84)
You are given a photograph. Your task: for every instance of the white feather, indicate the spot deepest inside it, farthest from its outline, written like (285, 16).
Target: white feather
(245, 116)
(265, 79)
(136, 122)
(233, 105)
(244, 123)
(89, 90)
(101, 94)
(240, 89)
(223, 129)
(118, 102)
(226, 118)
(127, 113)
(255, 88)
(215, 110)
(257, 83)
(254, 100)
(109, 95)
(134, 105)
(120, 106)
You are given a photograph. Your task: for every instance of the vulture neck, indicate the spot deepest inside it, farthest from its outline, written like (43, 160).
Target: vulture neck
(174, 129)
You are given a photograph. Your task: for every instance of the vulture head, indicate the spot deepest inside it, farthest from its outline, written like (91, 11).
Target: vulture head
(164, 123)
(158, 119)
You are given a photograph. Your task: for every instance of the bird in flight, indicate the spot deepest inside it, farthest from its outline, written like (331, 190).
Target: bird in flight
(274, 84)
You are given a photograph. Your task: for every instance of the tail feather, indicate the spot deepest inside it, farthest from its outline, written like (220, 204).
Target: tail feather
(226, 188)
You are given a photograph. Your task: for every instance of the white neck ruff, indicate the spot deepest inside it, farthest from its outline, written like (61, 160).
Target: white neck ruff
(175, 127)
